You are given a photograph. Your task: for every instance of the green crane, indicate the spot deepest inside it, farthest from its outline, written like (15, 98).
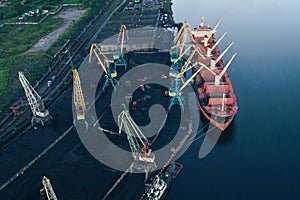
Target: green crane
(139, 144)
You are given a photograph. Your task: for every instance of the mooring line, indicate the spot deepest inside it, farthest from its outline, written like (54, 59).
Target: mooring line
(21, 171)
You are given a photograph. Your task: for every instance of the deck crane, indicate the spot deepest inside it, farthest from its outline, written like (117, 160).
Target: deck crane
(209, 33)
(214, 62)
(107, 66)
(218, 75)
(210, 50)
(139, 144)
(119, 60)
(40, 113)
(175, 93)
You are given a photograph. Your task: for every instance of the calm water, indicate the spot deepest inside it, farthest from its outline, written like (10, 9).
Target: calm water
(258, 158)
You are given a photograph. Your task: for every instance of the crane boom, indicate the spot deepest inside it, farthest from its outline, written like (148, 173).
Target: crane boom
(193, 76)
(182, 36)
(123, 30)
(134, 134)
(49, 189)
(78, 97)
(139, 144)
(227, 65)
(219, 40)
(94, 49)
(180, 32)
(209, 50)
(186, 51)
(224, 52)
(35, 101)
(214, 30)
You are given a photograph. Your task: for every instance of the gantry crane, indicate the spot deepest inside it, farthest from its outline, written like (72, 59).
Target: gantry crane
(119, 60)
(40, 113)
(139, 144)
(107, 66)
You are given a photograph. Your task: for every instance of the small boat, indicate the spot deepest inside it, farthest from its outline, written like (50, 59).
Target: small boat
(160, 185)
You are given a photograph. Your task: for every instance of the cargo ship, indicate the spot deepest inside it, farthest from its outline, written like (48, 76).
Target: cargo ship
(159, 186)
(216, 97)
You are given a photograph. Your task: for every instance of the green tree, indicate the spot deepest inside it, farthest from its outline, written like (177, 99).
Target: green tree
(17, 6)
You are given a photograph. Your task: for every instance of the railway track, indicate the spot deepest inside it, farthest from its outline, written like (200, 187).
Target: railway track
(77, 50)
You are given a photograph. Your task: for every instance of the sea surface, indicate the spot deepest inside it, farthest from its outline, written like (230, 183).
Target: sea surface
(258, 157)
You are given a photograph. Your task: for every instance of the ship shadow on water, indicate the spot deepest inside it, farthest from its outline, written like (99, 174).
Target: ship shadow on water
(226, 136)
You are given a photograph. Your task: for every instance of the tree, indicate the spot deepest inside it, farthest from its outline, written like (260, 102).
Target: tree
(17, 6)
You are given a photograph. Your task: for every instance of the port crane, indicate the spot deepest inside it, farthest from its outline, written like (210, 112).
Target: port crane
(182, 37)
(177, 72)
(107, 66)
(180, 40)
(139, 144)
(195, 53)
(78, 99)
(48, 189)
(40, 113)
(119, 60)
(175, 92)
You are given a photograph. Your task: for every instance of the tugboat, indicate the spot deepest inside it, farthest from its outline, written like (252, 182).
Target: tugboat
(160, 185)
